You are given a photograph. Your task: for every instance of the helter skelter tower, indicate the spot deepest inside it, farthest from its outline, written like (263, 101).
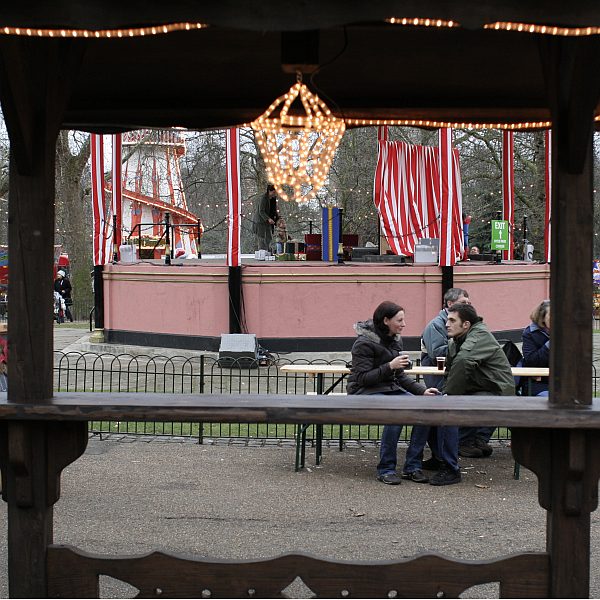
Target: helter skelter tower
(152, 186)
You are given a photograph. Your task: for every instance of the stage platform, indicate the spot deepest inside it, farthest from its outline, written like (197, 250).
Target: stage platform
(295, 306)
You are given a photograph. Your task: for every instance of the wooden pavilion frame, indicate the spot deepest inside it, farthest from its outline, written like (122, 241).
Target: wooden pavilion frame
(59, 68)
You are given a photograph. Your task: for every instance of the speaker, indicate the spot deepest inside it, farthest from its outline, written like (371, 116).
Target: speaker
(238, 350)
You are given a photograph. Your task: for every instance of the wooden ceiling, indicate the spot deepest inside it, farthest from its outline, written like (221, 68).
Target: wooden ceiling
(228, 73)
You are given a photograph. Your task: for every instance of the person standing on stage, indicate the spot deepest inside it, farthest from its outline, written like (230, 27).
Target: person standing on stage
(265, 216)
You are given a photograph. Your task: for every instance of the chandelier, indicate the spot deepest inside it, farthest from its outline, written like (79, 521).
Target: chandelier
(298, 148)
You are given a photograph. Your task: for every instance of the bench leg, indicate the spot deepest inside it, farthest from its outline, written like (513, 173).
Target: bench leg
(300, 446)
(319, 445)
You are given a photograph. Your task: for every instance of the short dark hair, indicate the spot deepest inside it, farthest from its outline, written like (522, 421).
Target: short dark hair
(386, 309)
(453, 294)
(466, 312)
(270, 187)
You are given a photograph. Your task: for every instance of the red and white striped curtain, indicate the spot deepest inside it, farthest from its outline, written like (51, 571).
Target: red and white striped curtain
(451, 222)
(547, 219)
(396, 195)
(407, 195)
(101, 212)
(233, 196)
(117, 190)
(105, 237)
(508, 191)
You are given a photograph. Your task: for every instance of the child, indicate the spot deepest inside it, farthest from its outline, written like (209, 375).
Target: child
(281, 235)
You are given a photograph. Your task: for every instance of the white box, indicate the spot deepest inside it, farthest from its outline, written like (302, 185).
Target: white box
(425, 254)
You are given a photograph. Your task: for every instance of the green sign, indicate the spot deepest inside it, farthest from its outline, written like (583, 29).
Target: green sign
(499, 235)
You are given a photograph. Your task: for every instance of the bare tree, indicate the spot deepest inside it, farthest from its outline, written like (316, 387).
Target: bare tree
(73, 210)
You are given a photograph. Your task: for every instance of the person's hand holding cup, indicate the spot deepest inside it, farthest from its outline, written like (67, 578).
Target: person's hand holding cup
(441, 363)
(400, 362)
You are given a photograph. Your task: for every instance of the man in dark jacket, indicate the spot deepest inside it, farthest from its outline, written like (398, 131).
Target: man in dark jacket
(476, 364)
(265, 216)
(434, 345)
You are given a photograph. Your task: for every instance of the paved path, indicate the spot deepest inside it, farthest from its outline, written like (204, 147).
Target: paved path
(65, 336)
(125, 497)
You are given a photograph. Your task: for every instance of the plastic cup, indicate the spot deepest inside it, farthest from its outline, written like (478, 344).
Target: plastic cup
(441, 363)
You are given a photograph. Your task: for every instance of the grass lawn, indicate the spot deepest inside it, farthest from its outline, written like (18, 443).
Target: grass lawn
(74, 325)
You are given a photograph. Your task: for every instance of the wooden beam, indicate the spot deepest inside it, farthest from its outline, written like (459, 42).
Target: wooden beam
(570, 488)
(32, 456)
(35, 79)
(74, 573)
(291, 408)
(573, 93)
(567, 464)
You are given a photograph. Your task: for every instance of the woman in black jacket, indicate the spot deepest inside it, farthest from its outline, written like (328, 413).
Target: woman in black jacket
(536, 347)
(62, 285)
(378, 368)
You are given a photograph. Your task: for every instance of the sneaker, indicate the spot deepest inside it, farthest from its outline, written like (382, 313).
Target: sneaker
(390, 478)
(485, 448)
(470, 451)
(416, 476)
(445, 476)
(432, 464)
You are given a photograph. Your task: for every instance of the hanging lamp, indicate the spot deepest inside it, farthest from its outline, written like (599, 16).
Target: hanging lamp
(298, 148)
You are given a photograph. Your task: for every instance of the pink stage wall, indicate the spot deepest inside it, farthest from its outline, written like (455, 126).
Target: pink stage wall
(309, 300)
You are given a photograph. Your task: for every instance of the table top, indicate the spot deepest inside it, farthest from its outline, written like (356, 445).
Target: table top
(316, 369)
(343, 370)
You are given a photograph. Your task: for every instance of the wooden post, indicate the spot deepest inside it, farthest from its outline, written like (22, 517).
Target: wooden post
(573, 95)
(98, 297)
(34, 86)
(447, 281)
(235, 299)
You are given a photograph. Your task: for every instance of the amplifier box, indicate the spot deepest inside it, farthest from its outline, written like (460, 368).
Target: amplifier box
(238, 350)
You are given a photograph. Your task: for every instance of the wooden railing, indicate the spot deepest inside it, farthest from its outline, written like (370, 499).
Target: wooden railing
(74, 573)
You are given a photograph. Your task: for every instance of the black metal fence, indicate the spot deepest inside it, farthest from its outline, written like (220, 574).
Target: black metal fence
(81, 372)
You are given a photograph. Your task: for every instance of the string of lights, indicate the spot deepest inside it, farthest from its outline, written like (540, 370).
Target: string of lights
(161, 29)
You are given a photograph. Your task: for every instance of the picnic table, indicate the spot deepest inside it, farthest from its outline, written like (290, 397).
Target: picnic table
(321, 370)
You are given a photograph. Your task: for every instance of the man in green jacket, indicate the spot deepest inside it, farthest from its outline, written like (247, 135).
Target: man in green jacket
(476, 364)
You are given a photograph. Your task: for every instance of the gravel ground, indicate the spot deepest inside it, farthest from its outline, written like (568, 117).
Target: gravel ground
(247, 502)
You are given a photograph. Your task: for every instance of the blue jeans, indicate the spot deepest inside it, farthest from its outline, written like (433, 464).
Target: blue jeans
(448, 446)
(445, 450)
(414, 453)
(468, 434)
(388, 450)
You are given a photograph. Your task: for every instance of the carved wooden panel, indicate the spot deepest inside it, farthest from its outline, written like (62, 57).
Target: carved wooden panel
(73, 573)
